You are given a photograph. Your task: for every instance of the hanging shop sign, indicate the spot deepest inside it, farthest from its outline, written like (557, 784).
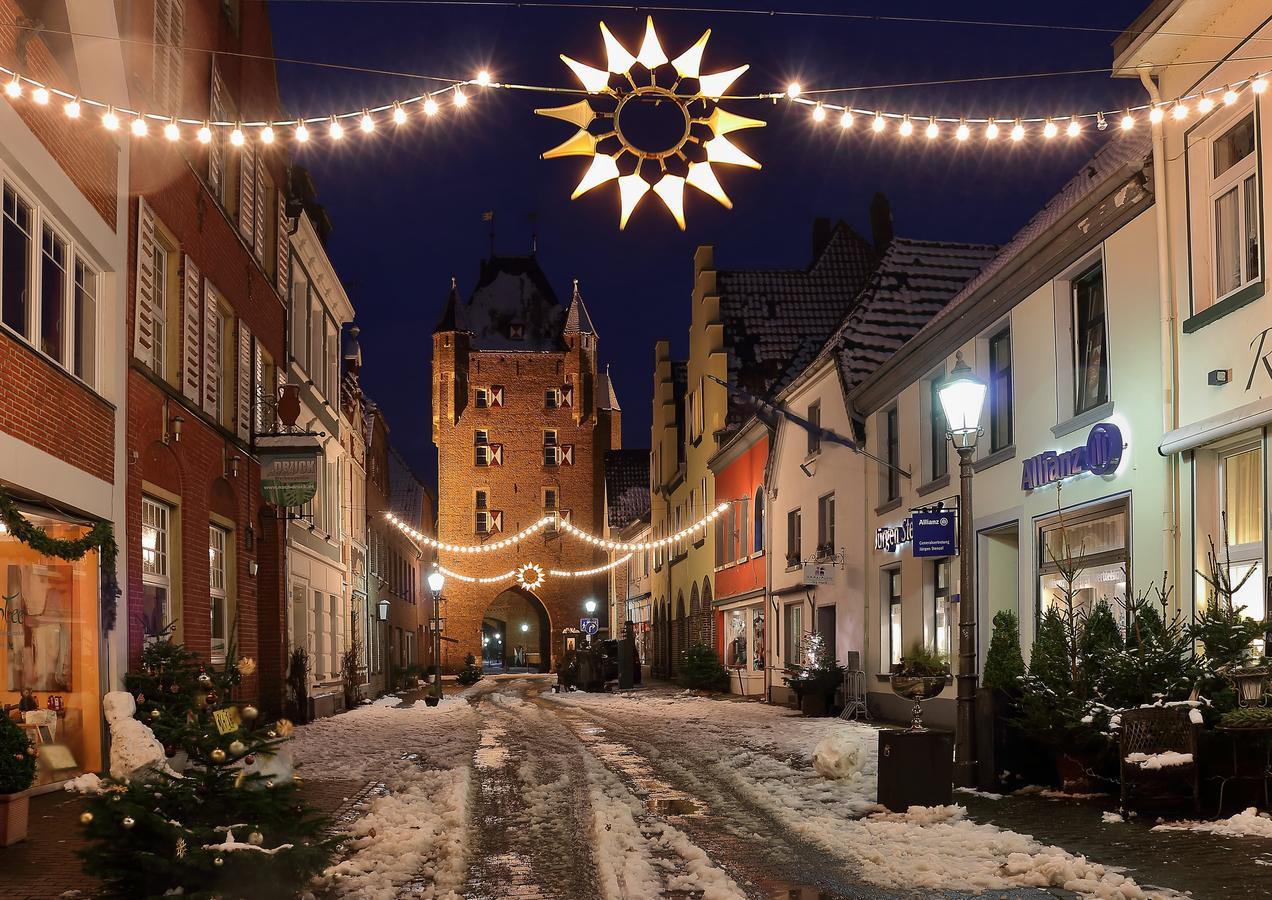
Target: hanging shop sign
(289, 468)
(1100, 455)
(819, 573)
(891, 537)
(934, 533)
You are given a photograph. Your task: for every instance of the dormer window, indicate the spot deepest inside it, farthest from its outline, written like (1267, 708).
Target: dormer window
(516, 331)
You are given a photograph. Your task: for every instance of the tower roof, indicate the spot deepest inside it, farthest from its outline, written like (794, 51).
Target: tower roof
(577, 321)
(450, 317)
(605, 396)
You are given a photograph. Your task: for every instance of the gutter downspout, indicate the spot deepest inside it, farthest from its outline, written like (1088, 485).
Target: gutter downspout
(1169, 336)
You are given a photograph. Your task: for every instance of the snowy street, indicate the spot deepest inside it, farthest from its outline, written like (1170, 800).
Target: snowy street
(509, 790)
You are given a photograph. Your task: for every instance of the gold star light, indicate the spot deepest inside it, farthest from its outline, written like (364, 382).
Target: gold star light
(687, 159)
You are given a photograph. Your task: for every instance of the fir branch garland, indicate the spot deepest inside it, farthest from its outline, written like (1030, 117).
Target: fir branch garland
(101, 537)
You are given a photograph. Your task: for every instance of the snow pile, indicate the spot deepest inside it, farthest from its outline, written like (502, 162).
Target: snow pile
(985, 795)
(839, 756)
(508, 701)
(1160, 760)
(1194, 716)
(133, 746)
(1112, 818)
(88, 783)
(1249, 823)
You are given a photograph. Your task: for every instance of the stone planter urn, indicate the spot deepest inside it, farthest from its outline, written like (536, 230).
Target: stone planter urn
(917, 688)
(13, 817)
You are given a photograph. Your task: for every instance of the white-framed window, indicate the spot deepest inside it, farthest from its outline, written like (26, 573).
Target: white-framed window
(219, 589)
(794, 527)
(1001, 412)
(892, 594)
(481, 447)
(938, 446)
(55, 291)
(84, 323)
(17, 278)
(1093, 543)
(1090, 339)
(552, 398)
(1234, 207)
(299, 314)
(156, 575)
(814, 428)
(481, 512)
(940, 634)
(1242, 515)
(793, 634)
(481, 398)
(826, 525)
(551, 452)
(891, 439)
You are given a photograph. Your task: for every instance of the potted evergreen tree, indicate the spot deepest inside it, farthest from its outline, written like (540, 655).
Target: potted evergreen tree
(17, 771)
(922, 675)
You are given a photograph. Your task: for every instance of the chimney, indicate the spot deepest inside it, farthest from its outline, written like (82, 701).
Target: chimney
(881, 222)
(822, 229)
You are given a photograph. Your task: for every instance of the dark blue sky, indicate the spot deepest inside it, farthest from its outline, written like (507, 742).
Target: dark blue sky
(407, 206)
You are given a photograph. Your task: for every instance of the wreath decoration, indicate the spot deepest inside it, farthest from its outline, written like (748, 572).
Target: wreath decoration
(101, 537)
(530, 576)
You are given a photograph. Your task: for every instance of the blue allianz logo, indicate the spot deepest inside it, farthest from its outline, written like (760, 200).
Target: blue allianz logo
(1100, 455)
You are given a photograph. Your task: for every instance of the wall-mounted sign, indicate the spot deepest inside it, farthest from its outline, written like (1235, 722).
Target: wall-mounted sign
(289, 468)
(1100, 455)
(891, 537)
(934, 533)
(818, 573)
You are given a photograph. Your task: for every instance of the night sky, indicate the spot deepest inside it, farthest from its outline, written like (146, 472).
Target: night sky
(407, 207)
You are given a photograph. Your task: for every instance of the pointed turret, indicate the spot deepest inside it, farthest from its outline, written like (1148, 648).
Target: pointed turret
(450, 314)
(577, 321)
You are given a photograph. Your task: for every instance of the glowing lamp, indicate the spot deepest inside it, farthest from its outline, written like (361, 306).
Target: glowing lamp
(962, 396)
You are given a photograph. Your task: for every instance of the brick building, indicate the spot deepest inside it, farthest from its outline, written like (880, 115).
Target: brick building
(522, 417)
(207, 277)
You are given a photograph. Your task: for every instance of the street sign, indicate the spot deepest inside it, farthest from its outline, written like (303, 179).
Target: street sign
(589, 626)
(933, 533)
(818, 573)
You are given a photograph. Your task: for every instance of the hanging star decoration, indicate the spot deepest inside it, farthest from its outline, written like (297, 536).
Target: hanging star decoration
(530, 576)
(687, 159)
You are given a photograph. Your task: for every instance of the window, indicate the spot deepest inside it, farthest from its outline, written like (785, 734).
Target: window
(814, 428)
(84, 315)
(938, 448)
(793, 525)
(1092, 545)
(54, 292)
(15, 258)
(794, 634)
(549, 501)
(1241, 518)
(1000, 391)
(891, 453)
(481, 508)
(156, 578)
(481, 447)
(1090, 347)
(1234, 203)
(264, 387)
(551, 453)
(551, 398)
(892, 581)
(759, 521)
(218, 589)
(941, 607)
(826, 525)
(481, 398)
(299, 315)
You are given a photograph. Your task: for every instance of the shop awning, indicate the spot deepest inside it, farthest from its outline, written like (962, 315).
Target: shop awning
(1216, 428)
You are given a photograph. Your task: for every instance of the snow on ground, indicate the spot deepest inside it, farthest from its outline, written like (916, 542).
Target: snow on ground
(1160, 760)
(764, 753)
(1249, 823)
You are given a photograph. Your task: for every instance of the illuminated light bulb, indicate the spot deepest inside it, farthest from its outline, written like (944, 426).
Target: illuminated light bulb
(336, 130)
(932, 129)
(879, 123)
(41, 96)
(1128, 122)
(72, 109)
(1179, 111)
(1073, 129)
(366, 123)
(236, 137)
(14, 88)
(819, 113)
(204, 134)
(109, 120)
(171, 131)
(1049, 129)
(1259, 85)
(907, 127)
(962, 133)
(399, 114)
(1229, 96)
(1018, 131)
(483, 78)
(991, 130)
(430, 107)
(460, 98)
(1156, 115)
(794, 89)
(267, 134)
(845, 121)
(1205, 105)
(302, 133)
(139, 127)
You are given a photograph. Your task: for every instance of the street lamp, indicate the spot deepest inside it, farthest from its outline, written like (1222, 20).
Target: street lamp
(590, 606)
(436, 580)
(962, 398)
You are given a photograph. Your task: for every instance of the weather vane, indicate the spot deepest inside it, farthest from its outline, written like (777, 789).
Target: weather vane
(686, 159)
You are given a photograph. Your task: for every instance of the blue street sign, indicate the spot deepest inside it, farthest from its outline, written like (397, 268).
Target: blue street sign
(934, 533)
(589, 626)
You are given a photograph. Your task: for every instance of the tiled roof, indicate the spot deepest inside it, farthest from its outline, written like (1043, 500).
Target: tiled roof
(626, 486)
(605, 396)
(914, 282)
(512, 307)
(1117, 153)
(771, 317)
(576, 318)
(406, 492)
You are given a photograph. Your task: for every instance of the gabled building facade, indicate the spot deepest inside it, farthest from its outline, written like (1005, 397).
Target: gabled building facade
(627, 520)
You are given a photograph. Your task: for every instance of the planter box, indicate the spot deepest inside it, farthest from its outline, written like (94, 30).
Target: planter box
(13, 817)
(916, 768)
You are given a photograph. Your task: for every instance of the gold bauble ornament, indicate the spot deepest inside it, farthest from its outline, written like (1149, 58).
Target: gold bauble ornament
(218, 755)
(128, 822)
(256, 838)
(249, 712)
(154, 714)
(218, 862)
(85, 818)
(238, 748)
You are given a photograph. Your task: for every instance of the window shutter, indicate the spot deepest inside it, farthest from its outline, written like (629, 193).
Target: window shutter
(216, 149)
(565, 453)
(496, 395)
(283, 258)
(143, 341)
(191, 316)
(258, 207)
(243, 375)
(567, 395)
(211, 364)
(495, 520)
(247, 191)
(496, 454)
(162, 56)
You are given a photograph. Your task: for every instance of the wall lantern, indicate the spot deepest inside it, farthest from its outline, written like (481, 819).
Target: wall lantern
(383, 609)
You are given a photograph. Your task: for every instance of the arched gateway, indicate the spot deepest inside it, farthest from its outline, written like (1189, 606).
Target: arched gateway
(516, 633)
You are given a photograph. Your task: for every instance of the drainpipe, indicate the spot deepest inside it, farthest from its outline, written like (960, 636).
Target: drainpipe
(1169, 337)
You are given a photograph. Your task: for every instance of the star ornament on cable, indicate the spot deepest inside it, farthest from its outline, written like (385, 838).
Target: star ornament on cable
(529, 576)
(665, 169)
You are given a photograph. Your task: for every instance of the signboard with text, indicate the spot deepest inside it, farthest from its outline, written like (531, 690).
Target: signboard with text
(818, 573)
(1100, 455)
(934, 533)
(289, 468)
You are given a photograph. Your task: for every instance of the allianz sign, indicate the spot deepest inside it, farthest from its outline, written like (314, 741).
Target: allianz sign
(1100, 455)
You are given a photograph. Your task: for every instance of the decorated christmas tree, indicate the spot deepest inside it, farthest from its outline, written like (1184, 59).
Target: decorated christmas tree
(216, 812)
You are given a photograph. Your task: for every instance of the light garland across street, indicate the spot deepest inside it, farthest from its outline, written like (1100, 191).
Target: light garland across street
(519, 575)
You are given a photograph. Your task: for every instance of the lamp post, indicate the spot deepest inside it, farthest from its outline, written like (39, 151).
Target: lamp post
(436, 580)
(962, 397)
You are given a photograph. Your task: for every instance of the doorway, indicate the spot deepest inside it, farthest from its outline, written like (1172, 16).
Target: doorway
(516, 634)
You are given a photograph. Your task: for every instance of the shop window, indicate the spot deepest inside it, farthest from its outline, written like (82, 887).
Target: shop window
(892, 455)
(892, 583)
(1000, 392)
(794, 525)
(1090, 337)
(814, 428)
(938, 445)
(794, 634)
(156, 576)
(757, 639)
(735, 648)
(50, 649)
(940, 640)
(219, 589)
(1241, 515)
(1083, 559)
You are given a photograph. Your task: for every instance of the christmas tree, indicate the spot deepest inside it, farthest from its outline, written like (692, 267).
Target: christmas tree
(220, 817)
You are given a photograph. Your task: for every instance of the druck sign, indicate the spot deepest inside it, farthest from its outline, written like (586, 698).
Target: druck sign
(1100, 455)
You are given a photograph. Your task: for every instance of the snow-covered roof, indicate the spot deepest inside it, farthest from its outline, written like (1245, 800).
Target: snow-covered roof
(512, 307)
(626, 486)
(406, 491)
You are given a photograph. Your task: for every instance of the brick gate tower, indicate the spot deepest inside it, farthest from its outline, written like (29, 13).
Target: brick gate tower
(522, 418)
